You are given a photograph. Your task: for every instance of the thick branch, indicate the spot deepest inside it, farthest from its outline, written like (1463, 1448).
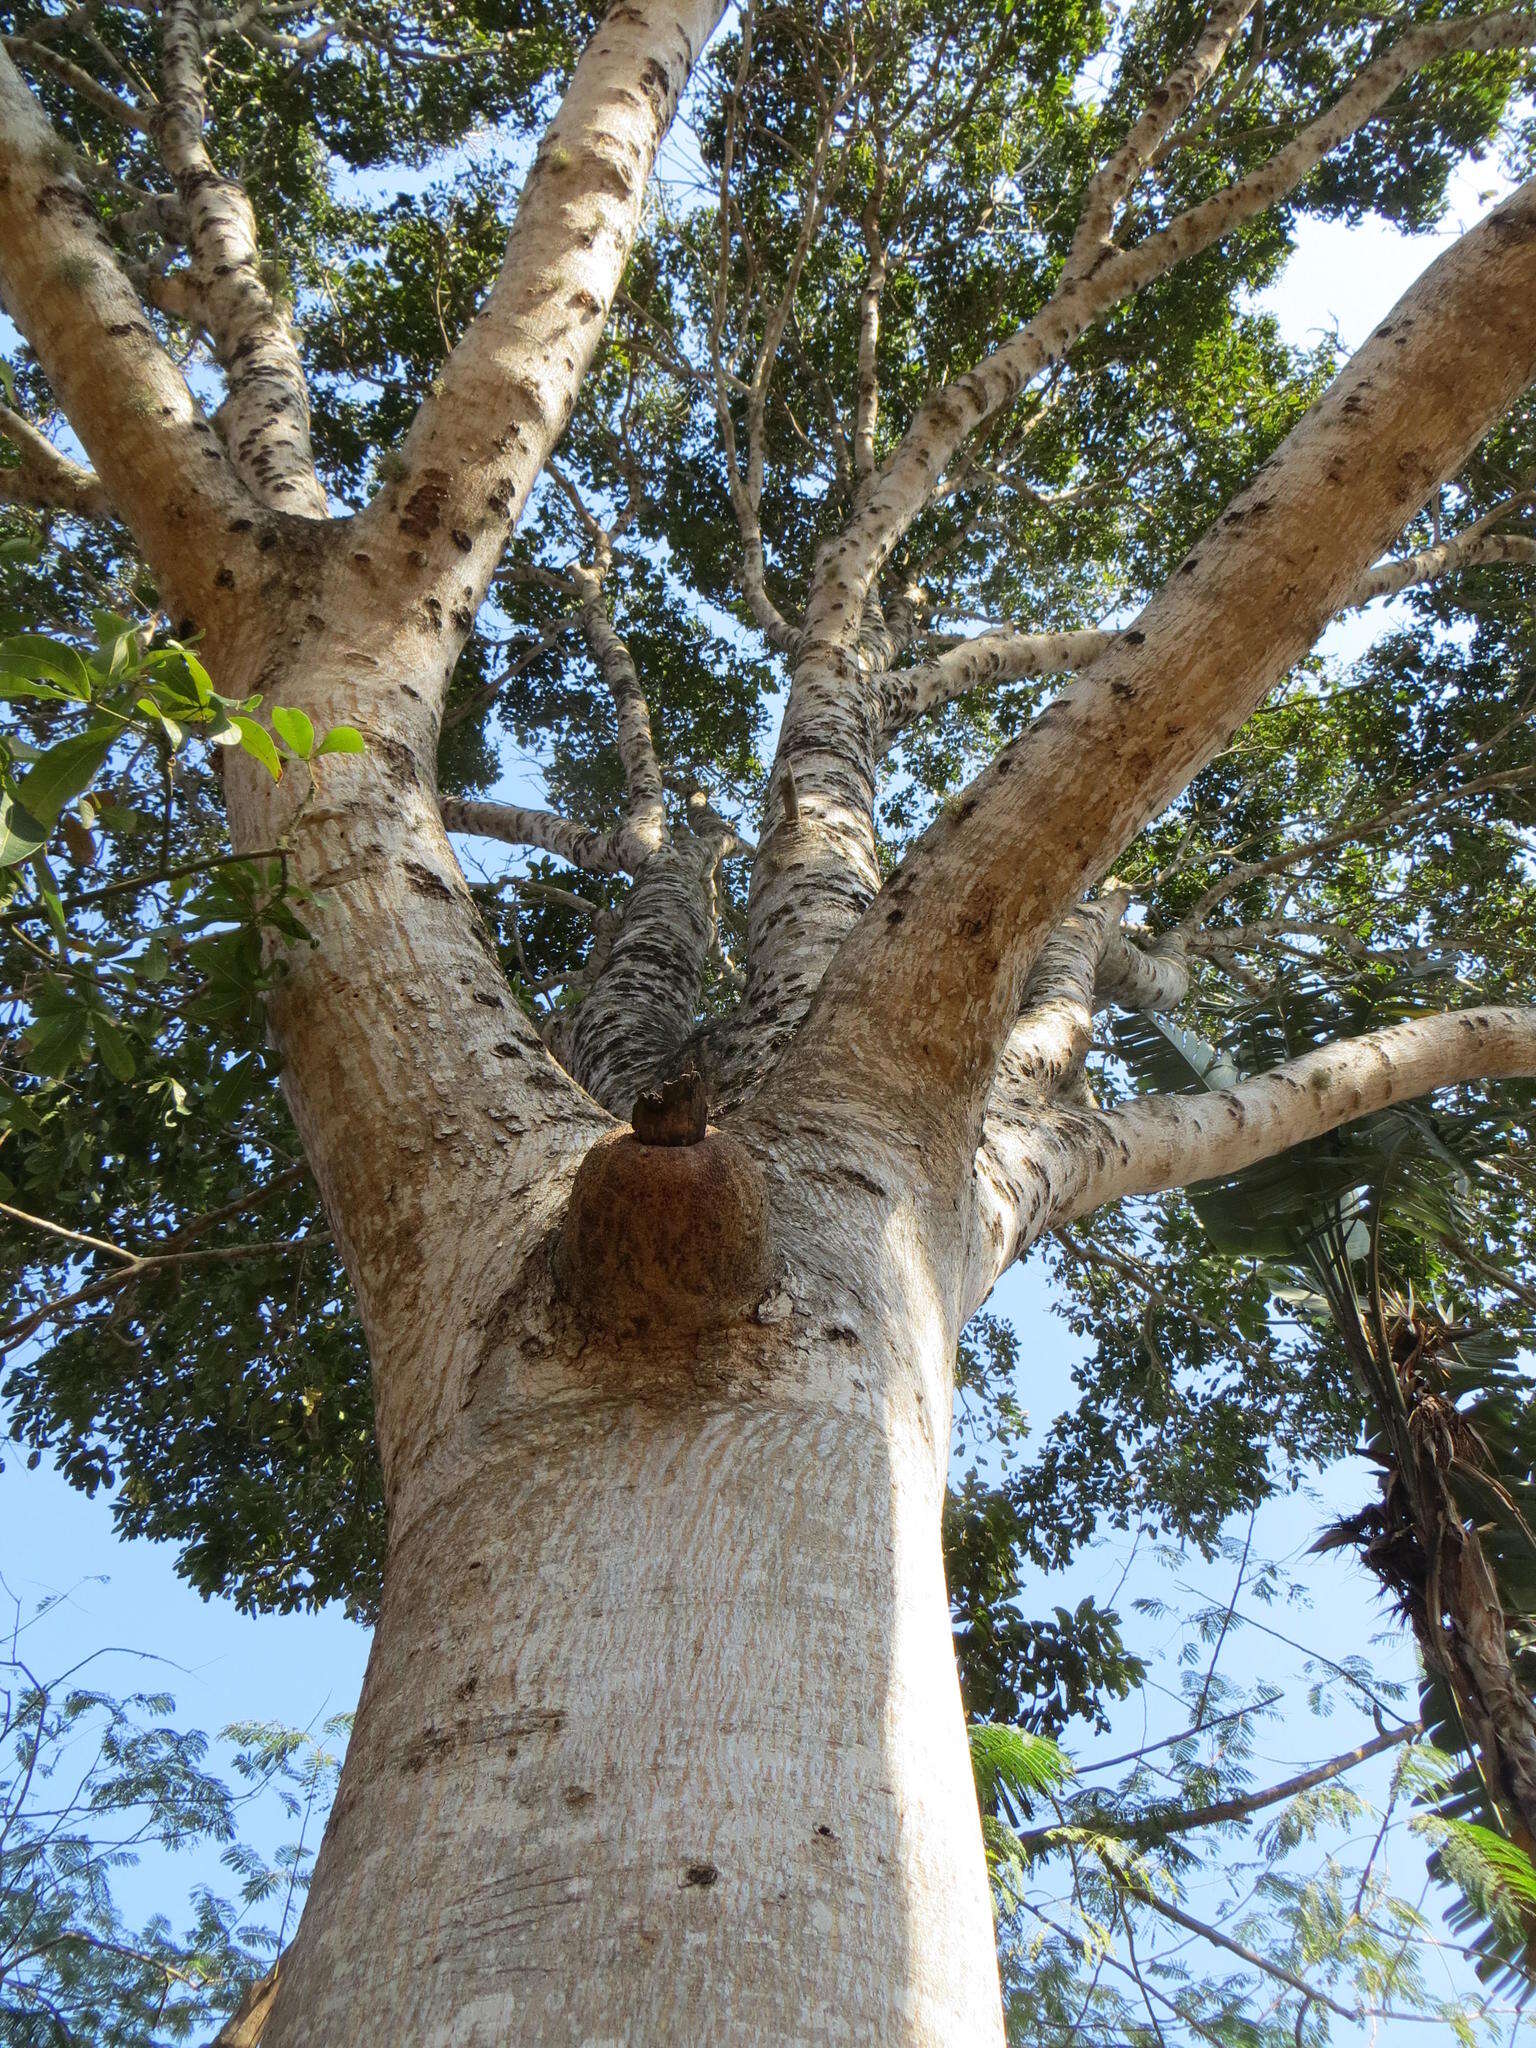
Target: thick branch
(1428, 565)
(45, 479)
(158, 458)
(507, 389)
(265, 418)
(925, 989)
(1003, 657)
(642, 1002)
(1171, 1141)
(1010, 656)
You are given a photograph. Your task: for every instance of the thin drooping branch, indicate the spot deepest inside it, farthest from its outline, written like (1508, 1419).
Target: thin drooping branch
(45, 479)
(1169, 1141)
(157, 457)
(1439, 791)
(1156, 1822)
(926, 988)
(479, 441)
(265, 417)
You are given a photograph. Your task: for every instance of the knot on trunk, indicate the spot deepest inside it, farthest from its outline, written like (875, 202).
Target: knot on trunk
(676, 1113)
(667, 1223)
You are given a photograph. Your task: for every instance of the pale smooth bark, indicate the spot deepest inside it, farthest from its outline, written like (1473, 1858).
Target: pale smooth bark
(515, 825)
(45, 478)
(661, 1738)
(265, 418)
(156, 456)
(1168, 1141)
(437, 530)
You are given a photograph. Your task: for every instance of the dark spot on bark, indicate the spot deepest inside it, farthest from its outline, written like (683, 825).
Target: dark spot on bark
(826, 1833)
(461, 540)
(1132, 638)
(701, 1874)
(490, 1002)
(465, 1689)
(577, 1795)
(399, 761)
(423, 512)
(425, 882)
(225, 579)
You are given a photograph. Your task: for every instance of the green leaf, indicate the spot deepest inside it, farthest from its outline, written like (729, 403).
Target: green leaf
(343, 739)
(1014, 1762)
(26, 656)
(257, 742)
(294, 729)
(20, 833)
(116, 1055)
(64, 771)
(55, 1041)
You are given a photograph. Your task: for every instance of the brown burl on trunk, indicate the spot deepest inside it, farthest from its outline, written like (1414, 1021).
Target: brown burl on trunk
(667, 1227)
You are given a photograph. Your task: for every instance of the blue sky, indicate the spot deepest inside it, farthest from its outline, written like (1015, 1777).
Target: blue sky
(299, 1669)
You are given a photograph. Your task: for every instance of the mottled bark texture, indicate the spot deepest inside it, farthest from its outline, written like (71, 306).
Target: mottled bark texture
(661, 1739)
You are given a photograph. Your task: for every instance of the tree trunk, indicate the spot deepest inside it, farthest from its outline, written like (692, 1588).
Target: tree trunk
(661, 1740)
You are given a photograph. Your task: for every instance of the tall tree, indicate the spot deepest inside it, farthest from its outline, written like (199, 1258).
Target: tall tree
(665, 1190)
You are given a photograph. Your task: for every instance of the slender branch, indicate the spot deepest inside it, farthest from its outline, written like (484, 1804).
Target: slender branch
(951, 415)
(1265, 1965)
(645, 828)
(123, 1276)
(603, 853)
(29, 49)
(1179, 1820)
(265, 418)
(1114, 182)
